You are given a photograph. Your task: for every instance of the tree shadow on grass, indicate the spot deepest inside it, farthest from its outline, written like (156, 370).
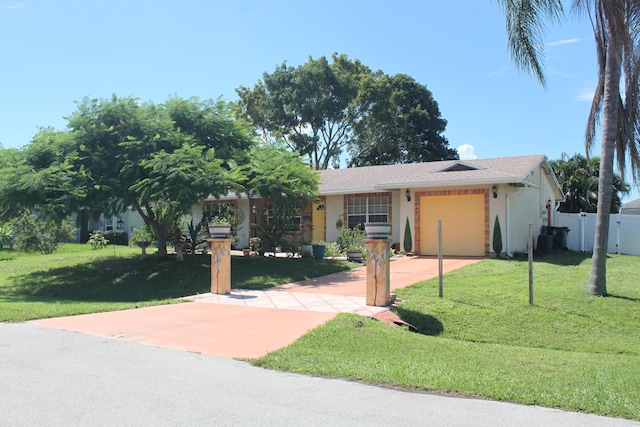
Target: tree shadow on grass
(131, 279)
(557, 258)
(424, 323)
(116, 280)
(623, 297)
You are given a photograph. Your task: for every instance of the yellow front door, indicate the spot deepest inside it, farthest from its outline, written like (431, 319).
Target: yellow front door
(318, 220)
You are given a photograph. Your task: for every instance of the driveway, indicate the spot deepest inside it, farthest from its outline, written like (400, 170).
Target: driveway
(249, 324)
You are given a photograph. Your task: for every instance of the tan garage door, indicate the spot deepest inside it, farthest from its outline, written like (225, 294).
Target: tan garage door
(463, 224)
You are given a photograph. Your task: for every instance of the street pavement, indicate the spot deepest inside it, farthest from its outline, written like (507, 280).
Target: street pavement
(53, 377)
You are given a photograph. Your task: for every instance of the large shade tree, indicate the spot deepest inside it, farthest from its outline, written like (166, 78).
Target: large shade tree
(323, 109)
(616, 25)
(136, 154)
(400, 123)
(160, 159)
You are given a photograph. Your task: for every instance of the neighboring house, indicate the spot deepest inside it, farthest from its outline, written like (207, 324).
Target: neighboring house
(631, 208)
(466, 195)
(126, 221)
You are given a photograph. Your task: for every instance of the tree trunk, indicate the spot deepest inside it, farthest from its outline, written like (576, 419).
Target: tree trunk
(598, 278)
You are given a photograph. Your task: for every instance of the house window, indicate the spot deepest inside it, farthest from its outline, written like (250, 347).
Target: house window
(108, 224)
(361, 210)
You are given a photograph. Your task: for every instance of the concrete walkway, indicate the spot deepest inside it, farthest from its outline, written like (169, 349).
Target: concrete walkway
(249, 324)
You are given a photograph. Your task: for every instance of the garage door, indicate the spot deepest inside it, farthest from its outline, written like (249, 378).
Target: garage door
(463, 224)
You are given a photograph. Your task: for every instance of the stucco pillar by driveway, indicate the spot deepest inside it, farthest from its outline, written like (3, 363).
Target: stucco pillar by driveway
(378, 272)
(220, 266)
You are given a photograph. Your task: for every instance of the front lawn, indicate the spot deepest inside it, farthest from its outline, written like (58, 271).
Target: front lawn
(77, 280)
(570, 350)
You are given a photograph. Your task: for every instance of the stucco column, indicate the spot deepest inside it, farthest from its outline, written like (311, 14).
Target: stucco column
(378, 272)
(220, 266)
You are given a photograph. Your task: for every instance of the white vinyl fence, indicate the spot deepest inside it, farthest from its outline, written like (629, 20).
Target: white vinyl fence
(624, 232)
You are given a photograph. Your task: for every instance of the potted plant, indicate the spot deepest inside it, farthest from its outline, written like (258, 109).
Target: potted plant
(377, 230)
(254, 244)
(351, 242)
(318, 248)
(218, 227)
(142, 237)
(306, 249)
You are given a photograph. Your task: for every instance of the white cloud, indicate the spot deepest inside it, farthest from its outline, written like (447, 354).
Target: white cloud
(585, 95)
(467, 152)
(561, 42)
(15, 6)
(498, 73)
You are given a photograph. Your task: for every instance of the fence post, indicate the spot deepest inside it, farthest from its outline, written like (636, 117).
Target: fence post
(530, 253)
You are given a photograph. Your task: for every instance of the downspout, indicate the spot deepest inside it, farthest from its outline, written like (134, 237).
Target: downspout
(507, 221)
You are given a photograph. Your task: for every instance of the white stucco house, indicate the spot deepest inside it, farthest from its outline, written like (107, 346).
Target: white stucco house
(465, 195)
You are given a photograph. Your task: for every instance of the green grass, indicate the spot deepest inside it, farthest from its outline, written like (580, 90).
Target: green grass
(77, 280)
(570, 350)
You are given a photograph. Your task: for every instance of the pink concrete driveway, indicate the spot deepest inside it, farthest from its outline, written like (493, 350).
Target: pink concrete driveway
(249, 324)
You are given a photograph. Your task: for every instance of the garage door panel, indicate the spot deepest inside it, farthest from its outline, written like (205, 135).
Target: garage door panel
(463, 224)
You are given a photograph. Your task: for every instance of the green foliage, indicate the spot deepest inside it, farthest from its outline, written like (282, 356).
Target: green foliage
(120, 152)
(97, 240)
(578, 178)
(281, 176)
(115, 237)
(408, 243)
(497, 238)
(322, 108)
(41, 235)
(254, 243)
(223, 213)
(6, 233)
(351, 239)
(332, 249)
(142, 234)
(196, 235)
(400, 123)
(276, 231)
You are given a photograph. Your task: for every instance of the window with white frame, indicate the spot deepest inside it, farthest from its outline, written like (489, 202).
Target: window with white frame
(361, 210)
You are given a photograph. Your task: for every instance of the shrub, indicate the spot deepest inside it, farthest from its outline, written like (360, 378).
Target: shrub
(408, 243)
(97, 240)
(35, 234)
(350, 239)
(331, 249)
(117, 237)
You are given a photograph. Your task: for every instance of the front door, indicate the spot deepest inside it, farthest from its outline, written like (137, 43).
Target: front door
(318, 220)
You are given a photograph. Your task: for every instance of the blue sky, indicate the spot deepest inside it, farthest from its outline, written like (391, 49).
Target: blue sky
(57, 52)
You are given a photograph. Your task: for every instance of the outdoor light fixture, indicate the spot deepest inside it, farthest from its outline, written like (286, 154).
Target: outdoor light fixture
(494, 190)
(408, 194)
(120, 224)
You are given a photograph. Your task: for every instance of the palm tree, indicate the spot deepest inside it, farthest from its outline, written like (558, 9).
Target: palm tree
(578, 178)
(616, 25)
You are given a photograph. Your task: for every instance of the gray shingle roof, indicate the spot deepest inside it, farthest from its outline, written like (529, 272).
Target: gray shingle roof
(631, 208)
(430, 174)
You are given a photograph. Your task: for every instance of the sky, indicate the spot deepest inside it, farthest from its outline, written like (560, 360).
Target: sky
(55, 53)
